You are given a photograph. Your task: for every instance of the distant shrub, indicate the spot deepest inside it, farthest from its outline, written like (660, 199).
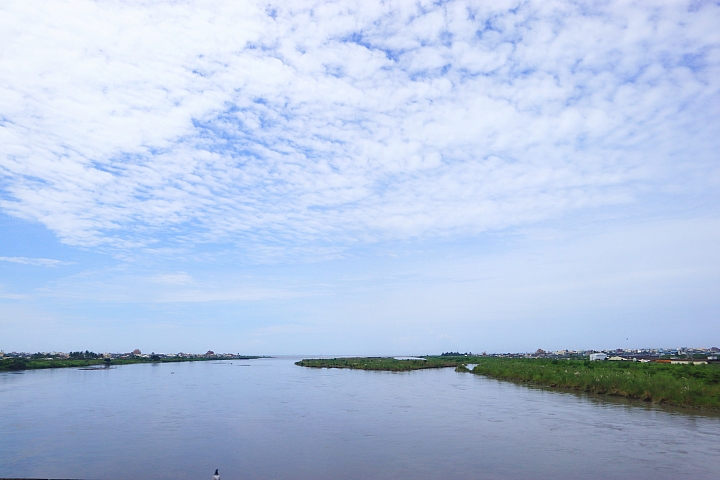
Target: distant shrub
(13, 363)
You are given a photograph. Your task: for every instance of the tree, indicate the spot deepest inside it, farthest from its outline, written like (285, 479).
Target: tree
(17, 363)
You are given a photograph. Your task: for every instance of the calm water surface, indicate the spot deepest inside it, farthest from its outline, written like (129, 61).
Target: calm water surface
(268, 419)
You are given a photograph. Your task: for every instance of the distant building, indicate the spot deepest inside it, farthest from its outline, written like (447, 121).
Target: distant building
(597, 356)
(136, 351)
(688, 361)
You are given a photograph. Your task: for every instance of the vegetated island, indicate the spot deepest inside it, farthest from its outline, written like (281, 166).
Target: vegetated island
(388, 364)
(687, 385)
(92, 360)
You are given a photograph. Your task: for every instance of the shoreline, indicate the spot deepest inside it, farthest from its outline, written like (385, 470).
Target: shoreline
(18, 365)
(687, 386)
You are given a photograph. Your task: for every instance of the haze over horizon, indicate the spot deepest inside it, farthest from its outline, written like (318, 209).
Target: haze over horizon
(386, 178)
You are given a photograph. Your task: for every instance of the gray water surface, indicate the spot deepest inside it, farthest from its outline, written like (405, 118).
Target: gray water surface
(269, 419)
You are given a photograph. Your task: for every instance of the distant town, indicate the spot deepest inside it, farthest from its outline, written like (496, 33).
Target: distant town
(664, 355)
(88, 355)
(648, 354)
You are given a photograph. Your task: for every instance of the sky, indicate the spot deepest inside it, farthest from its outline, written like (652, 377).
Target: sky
(378, 177)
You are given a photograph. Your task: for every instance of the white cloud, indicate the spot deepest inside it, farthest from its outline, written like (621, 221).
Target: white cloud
(128, 124)
(179, 278)
(38, 262)
(13, 296)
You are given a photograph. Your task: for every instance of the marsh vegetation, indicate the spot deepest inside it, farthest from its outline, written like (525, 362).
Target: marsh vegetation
(682, 385)
(389, 364)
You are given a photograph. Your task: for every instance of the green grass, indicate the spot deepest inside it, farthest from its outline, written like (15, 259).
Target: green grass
(682, 385)
(380, 363)
(14, 364)
(695, 386)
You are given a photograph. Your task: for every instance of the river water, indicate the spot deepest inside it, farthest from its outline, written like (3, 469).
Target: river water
(269, 419)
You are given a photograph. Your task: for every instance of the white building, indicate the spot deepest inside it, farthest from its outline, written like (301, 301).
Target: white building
(597, 356)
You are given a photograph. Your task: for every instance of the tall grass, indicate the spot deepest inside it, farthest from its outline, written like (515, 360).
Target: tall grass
(683, 385)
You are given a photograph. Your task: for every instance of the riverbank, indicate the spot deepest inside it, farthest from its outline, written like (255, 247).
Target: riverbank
(18, 363)
(388, 364)
(696, 386)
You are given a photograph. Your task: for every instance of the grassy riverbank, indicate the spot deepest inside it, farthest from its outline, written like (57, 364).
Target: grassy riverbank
(17, 363)
(379, 363)
(682, 385)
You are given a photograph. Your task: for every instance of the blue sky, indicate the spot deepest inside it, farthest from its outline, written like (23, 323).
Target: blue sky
(328, 178)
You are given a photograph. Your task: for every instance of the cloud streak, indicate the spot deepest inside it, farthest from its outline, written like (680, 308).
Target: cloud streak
(38, 262)
(131, 125)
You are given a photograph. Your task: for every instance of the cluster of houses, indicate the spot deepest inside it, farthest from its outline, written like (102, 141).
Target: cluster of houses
(134, 354)
(677, 355)
(662, 355)
(694, 359)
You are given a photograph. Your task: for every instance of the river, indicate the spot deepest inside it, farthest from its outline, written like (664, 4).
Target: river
(269, 419)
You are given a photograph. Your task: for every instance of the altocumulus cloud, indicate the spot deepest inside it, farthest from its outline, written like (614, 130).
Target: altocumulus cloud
(129, 124)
